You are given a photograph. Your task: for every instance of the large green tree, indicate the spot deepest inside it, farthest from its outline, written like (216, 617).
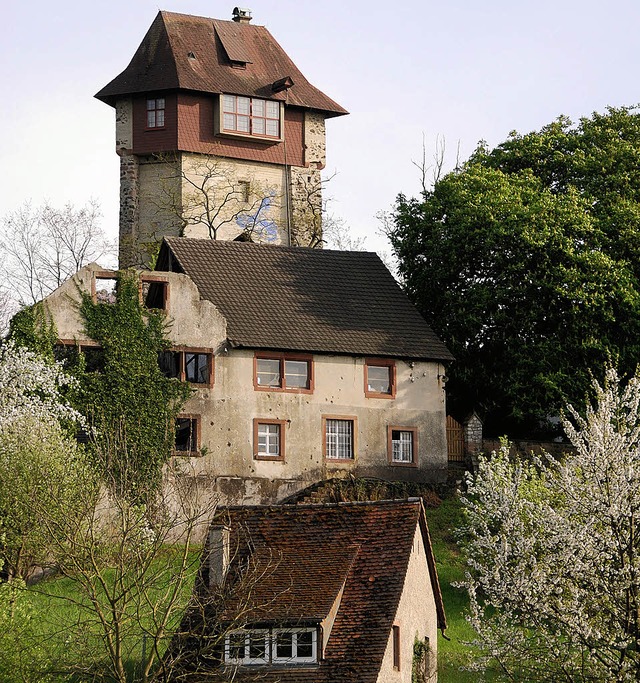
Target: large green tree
(526, 261)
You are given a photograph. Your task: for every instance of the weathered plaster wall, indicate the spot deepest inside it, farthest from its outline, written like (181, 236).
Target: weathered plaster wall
(417, 619)
(229, 408)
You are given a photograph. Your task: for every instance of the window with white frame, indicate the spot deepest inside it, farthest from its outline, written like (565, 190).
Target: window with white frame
(247, 646)
(155, 112)
(402, 445)
(250, 116)
(285, 372)
(298, 645)
(339, 439)
(268, 439)
(295, 646)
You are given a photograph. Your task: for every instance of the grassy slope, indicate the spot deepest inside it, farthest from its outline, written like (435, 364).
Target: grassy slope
(452, 654)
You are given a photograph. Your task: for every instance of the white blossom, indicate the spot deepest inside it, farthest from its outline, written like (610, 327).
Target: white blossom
(30, 387)
(553, 549)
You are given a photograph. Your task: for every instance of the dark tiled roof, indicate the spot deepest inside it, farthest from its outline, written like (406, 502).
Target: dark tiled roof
(297, 299)
(373, 541)
(162, 62)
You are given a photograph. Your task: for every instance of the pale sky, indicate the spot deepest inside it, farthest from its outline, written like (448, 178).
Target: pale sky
(461, 70)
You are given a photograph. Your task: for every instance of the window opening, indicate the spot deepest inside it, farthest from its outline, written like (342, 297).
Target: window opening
(339, 439)
(154, 294)
(106, 289)
(186, 435)
(283, 372)
(402, 445)
(379, 379)
(194, 367)
(247, 647)
(396, 647)
(155, 113)
(250, 116)
(268, 439)
(295, 645)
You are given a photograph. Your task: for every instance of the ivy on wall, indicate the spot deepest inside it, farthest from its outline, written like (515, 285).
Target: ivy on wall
(130, 404)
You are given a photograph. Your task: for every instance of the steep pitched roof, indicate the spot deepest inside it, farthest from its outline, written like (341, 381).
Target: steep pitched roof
(163, 62)
(372, 540)
(298, 299)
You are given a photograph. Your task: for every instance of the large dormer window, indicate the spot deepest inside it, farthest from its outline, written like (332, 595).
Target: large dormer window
(250, 116)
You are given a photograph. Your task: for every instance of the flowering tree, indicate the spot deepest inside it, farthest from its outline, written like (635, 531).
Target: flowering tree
(40, 464)
(553, 550)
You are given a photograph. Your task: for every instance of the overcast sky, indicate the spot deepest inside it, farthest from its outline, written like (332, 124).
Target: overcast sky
(463, 70)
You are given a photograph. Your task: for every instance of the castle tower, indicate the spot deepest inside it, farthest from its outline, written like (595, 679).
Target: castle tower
(219, 135)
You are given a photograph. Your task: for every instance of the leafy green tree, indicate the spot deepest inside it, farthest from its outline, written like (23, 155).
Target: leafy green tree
(526, 261)
(553, 550)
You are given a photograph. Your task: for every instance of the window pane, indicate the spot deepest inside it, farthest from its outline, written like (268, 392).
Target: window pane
(229, 122)
(402, 445)
(258, 126)
(257, 107)
(268, 372)
(379, 379)
(160, 118)
(273, 109)
(296, 374)
(236, 646)
(339, 438)
(151, 104)
(160, 103)
(243, 124)
(197, 368)
(151, 119)
(273, 128)
(257, 646)
(243, 105)
(304, 644)
(229, 103)
(269, 439)
(284, 645)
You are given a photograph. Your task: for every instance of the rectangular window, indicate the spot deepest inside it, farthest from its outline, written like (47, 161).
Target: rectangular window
(188, 365)
(268, 439)
(339, 438)
(155, 113)
(247, 647)
(104, 287)
(250, 116)
(379, 378)
(402, 445)
(187, 440)
(278, 646)
(154, 293)
(283, 372)
(295, 646)
(396, 647)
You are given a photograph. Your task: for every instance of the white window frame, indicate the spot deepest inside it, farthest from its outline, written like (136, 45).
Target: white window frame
(247, 660)
(339, 438)
(402, 447)
(294, 659)
(269, 434)
(229, 104)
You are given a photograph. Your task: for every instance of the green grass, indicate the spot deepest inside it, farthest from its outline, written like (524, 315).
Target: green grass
(57, 617)
(454, 653)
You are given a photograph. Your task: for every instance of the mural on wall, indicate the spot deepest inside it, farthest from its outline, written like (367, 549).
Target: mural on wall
(262, 229)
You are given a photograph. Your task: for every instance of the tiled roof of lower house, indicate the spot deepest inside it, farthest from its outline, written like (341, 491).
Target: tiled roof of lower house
(361, 548)
(298, 299)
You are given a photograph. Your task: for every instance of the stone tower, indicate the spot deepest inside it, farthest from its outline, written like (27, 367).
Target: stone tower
(219, 135)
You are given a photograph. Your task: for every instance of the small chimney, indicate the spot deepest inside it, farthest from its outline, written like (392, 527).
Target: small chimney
(218, 555)
(242, 15)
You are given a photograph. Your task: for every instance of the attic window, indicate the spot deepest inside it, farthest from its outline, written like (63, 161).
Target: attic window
(250, 116)
(191, 55)
(277, 645)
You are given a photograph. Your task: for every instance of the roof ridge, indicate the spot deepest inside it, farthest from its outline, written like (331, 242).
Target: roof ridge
(412, 500)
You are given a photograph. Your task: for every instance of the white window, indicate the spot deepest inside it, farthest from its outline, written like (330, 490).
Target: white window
(402, 445)
(339, 439)
(294, 645)
(268, 440)
(250, 116)
(247, 647)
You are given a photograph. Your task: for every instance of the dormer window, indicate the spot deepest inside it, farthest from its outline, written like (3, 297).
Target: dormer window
(251, 116)
(155, 113)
